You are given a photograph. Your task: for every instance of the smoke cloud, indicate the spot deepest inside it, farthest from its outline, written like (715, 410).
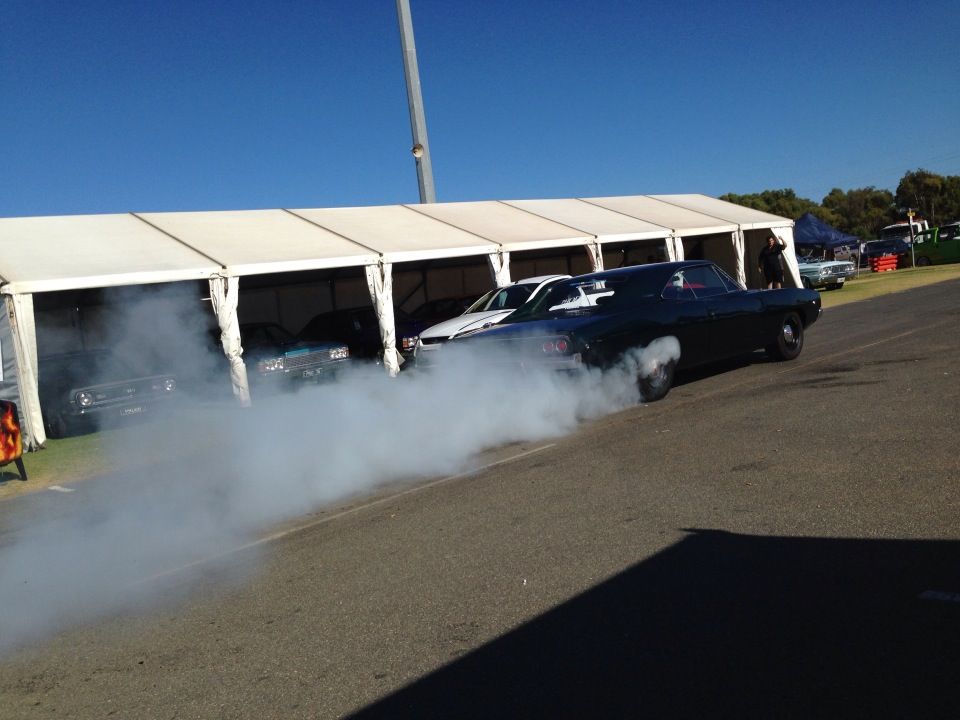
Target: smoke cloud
(233, 473)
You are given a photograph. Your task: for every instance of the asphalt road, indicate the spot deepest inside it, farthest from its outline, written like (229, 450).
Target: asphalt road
(772, 540)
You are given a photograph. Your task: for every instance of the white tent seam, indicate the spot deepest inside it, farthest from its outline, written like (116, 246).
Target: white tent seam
(698, 212)
(634, 217)
(334, 232)
(173, 237)
(595, 237)
(457, 227)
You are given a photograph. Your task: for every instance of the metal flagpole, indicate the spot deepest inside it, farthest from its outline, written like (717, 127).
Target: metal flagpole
(418, 122)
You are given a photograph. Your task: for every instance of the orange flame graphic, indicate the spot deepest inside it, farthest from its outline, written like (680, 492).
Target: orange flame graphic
(11, 444)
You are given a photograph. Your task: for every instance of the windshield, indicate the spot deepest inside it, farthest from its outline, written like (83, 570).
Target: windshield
(264, 336)
(898, 231)
(508, 298)
(91, 368)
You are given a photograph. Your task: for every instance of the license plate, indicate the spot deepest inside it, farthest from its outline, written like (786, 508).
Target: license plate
(132, 410)
(310, 373)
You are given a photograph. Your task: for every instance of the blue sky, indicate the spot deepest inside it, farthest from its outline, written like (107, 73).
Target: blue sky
(154, 106)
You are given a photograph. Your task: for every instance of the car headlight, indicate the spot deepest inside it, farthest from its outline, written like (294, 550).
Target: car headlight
(340, 353)
(271, 365)
(169, 385)
(84, 399)
(824, 271)
(410, 342)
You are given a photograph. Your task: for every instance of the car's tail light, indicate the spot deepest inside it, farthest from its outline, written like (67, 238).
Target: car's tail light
(410, 342)
(559, 345)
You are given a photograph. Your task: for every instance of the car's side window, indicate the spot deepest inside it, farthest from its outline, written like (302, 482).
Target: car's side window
(731, 284)
(705, 282)
(678, 288)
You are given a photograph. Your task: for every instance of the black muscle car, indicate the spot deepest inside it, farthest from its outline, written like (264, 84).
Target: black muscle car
(598, 319)
(82, 390)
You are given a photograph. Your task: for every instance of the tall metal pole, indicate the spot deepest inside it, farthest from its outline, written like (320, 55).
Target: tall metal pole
(418, 122)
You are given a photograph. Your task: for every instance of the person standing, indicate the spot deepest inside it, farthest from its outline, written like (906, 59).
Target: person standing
(769, 261)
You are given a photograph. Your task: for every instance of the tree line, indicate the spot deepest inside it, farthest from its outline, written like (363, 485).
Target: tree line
(864, 211)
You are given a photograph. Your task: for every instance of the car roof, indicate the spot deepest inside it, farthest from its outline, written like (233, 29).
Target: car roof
(539, 279)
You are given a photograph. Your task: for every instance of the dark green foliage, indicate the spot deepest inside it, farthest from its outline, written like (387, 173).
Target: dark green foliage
(935, 197)
(864, 211)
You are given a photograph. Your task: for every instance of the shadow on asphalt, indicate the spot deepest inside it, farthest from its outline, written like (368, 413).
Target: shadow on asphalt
(726, 625)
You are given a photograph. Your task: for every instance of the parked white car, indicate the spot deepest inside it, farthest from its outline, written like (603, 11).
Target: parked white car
(488, 310)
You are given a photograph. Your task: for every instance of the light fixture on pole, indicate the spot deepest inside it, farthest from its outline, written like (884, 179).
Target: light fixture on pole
(418, 121)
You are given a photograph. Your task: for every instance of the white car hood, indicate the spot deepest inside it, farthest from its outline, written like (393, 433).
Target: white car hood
(471, 321)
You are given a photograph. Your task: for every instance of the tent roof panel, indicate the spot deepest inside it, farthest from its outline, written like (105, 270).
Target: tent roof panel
(399, 233)
(510, 227)
(39, 254)
(681, 220)
(249, 242)
(746, 218)
(605, 225)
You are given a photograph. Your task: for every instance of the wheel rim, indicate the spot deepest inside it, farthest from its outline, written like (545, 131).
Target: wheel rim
(659, 374)
(789, 334)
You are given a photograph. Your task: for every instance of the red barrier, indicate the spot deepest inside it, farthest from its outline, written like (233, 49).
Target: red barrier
(884, 263)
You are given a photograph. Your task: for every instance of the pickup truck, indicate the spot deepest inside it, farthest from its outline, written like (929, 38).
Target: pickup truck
(937, 245)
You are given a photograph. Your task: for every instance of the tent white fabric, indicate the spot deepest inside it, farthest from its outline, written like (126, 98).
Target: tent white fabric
(674, 246)
(225, 296)
(24, 331)
(596, 257)
(680, 220)
(380, 285)
(746, 218)
(500, 268)
(41, 254)
(739, 245)
(399, 234)
(252, 242)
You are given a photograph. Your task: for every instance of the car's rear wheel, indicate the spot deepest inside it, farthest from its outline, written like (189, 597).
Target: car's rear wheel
(655, 383)
(789, 340)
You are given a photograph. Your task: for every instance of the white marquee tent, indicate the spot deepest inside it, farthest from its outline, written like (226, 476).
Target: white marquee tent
(46, 254)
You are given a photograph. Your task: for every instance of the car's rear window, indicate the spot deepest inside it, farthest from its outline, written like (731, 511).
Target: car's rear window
(574, 297)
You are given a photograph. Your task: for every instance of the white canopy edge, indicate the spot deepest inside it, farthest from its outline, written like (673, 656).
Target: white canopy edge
(605, 225)
(110, 280)
(747, 218)
(43, 254)
(680, 220)
(512, 228)
(299, 265)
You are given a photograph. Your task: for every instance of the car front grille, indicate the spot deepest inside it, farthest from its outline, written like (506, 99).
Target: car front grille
(294, 362)
(130, 391)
